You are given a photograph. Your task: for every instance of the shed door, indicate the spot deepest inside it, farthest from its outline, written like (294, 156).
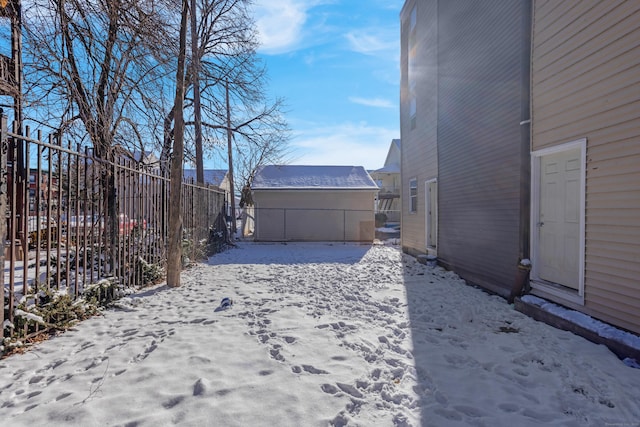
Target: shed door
(559, 218)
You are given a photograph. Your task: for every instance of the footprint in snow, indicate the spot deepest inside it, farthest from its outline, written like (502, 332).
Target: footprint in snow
(351, 390)
(329, 389)
(312, 370)
(275, 354)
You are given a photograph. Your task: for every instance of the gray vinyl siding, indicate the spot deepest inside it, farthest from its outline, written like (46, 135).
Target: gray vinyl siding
(419, 145)
(586, 84)
(482, 70)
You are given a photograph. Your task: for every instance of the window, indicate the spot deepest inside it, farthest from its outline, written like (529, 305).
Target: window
(413, 195)
(412, 110)
(411, 67)
(413, 104)
(413, 20)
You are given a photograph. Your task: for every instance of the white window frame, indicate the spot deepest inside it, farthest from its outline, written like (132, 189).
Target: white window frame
(413, 195)
(536, 283)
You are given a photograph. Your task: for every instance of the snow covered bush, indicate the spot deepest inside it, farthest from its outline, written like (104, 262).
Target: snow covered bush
(148, 273)
(103, 292)
(44, 312)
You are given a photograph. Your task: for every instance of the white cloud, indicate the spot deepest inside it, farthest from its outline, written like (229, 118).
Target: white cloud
(350, 144)
(372, 42)
(372, 102)
(280, 24)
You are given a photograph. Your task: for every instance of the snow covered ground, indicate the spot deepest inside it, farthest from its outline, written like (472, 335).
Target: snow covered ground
(318, 335)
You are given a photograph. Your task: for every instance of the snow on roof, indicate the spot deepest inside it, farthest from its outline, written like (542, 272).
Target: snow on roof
(211, 176)
(392, 162)
(144, 156)
(312, 177)
(388, 169)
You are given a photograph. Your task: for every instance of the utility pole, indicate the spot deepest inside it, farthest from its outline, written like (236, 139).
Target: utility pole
(200, 216)
(197, 109)
(230, 154)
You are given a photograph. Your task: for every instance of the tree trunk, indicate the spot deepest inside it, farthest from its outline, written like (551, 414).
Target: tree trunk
(174, 246)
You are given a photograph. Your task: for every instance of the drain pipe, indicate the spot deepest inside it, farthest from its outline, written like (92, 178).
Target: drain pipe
(520, 283)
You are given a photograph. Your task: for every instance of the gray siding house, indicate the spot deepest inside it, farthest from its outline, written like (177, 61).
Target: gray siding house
(464, 127)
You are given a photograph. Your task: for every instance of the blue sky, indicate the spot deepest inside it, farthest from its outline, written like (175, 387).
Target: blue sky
(336, 63)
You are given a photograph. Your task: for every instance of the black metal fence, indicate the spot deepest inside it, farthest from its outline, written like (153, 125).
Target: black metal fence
(76, 225)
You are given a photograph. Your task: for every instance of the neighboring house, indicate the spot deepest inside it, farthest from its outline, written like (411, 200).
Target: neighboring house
(585, 148)
(313, 203)
(216, 177)
(388, 180)
(40, 190)
(465, 151)
(559, 184)
(148, 159)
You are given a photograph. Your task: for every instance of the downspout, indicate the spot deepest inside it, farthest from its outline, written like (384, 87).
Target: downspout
(521, 282)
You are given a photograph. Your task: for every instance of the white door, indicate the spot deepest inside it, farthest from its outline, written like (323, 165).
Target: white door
(559, 218)
(431, 213)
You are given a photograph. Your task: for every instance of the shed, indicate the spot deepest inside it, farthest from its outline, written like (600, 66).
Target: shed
(313, 203)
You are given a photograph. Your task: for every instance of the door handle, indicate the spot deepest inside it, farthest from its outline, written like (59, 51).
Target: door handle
(540, 224)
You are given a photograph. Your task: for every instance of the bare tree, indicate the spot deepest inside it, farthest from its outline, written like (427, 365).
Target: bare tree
(95, 63)
(272, 148)
(232, 83)
(91, 66)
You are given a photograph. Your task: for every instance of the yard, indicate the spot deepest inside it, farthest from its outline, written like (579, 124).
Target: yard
(317, 335)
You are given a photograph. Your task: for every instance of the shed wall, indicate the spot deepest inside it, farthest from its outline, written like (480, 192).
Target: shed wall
(320, 215)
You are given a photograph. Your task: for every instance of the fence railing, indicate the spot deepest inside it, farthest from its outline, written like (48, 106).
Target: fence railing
(76, 224)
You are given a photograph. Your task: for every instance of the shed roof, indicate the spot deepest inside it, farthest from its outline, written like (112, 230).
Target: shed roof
(290, 177)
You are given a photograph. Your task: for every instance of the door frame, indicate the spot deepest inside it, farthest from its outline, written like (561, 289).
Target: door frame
(537, 283)
(432, 249)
